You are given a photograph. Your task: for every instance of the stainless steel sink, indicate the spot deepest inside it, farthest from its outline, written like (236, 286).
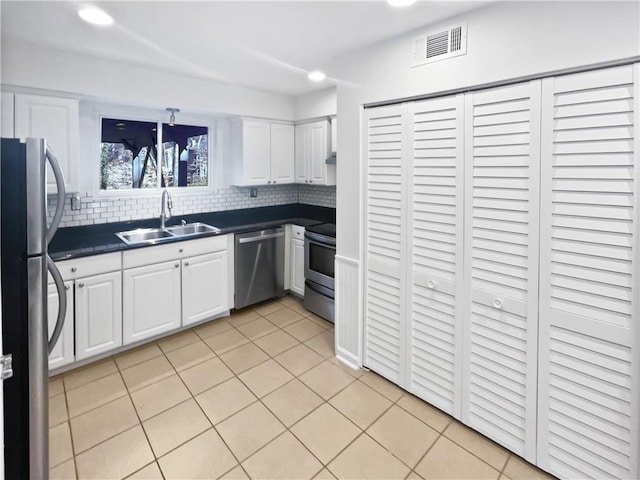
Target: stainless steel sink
(144, 235)
(157, 235)
(192, 229)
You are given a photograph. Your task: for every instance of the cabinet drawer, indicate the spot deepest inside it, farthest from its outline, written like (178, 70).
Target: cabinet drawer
(87, 266)
(173, 251)
(297, 232)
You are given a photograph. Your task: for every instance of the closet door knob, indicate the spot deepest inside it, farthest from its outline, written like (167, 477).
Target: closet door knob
(431, 284)
(497, 303)
(74, 269)
(180, 250)
(177, 265)
(186, 264)
(81, 285)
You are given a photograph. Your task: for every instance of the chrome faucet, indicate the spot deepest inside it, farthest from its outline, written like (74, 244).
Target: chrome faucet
(165, 199)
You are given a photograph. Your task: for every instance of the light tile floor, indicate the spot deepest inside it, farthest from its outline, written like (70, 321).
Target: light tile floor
(258, 394)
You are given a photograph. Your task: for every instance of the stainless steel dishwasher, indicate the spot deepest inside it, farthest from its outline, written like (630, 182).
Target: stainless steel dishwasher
(259, 266)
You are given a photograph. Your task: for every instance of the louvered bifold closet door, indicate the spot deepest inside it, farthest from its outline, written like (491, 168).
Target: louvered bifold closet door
(502, 151)
(589, 312)
(385, 227)
(436, 226)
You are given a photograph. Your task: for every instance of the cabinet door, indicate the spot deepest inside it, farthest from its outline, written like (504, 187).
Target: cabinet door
(151, 300)
(204, 287)
(7, 114)
(301, 153)
(385, 248)
(436, 226)
(63, 352)
(318, 152)
(98, 314)
(502, 142)
(589, 300)
(297, 266)
(282, 153)
(256, 152)
(57, 120)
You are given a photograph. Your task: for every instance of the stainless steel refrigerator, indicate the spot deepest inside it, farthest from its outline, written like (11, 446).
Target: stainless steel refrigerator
(24, 236)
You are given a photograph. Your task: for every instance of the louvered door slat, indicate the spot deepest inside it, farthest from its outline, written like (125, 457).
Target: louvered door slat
(435, 223)
(384, 234)
(589, 312)
(502, 138)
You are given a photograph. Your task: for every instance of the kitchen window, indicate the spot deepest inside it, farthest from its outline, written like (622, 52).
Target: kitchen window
(129, 157)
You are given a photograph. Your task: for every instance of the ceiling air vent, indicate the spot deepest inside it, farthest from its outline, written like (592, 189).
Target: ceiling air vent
(440, 44)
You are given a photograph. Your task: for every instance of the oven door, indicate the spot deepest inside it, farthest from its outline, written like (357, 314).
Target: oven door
(319, 259)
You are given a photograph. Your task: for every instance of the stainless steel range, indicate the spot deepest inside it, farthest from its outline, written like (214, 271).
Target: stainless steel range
(319, 268)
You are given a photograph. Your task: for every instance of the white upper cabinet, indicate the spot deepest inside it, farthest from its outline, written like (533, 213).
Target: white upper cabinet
(263, 152)
(589, 282)
(436, 223)
(57, 120)
(282, 153)
(301, 148)
(312, 149)
(502, 150)
(7, 117)
(385, 247)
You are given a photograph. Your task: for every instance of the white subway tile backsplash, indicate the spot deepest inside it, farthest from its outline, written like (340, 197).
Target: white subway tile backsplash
(101, 210)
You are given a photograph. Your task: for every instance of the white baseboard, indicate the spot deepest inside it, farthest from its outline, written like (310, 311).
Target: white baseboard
(348, 359)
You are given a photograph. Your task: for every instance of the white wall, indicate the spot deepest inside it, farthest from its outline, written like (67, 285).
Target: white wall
(322, 103)
(505, 41)
(88, 76)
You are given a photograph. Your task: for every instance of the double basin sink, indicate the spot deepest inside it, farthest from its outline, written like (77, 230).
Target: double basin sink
(157, 235)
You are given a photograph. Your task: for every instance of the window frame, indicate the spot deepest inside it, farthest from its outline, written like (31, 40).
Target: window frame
(159, 120)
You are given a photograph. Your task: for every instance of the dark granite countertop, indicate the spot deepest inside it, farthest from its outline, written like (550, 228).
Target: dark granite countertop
(73, 242)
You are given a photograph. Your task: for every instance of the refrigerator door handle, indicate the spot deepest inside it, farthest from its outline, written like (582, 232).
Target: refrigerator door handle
(59, 176)
(62, 302)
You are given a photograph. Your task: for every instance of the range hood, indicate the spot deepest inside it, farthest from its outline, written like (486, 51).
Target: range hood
(331, 159)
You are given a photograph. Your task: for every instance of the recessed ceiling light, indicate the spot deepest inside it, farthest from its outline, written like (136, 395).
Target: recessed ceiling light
(401, 3)
(317, 76)
(95, 16)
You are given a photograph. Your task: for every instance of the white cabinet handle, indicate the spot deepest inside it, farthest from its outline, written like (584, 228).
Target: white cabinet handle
(186, 264)
(431, 284)
(177, 265)
(274, 181)
(81, 285)
(74, 269)
(497, 303)
(310, 181)
(66, 287)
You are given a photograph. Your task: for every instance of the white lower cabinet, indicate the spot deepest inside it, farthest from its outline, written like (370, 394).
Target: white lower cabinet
(152, 300)
(174, 285)
(510, 299)
(204, 287)
(297, 264)
(297, 261)
(98, 313)
(63, 353)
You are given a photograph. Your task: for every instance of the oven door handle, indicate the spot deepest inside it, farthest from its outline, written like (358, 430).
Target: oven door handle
(321, 240)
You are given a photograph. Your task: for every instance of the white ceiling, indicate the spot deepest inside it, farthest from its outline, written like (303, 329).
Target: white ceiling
(265, 44)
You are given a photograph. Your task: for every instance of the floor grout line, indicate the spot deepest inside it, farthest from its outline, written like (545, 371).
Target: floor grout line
(139, 419)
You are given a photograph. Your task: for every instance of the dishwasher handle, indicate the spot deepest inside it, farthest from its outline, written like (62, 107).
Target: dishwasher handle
(259, 238)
